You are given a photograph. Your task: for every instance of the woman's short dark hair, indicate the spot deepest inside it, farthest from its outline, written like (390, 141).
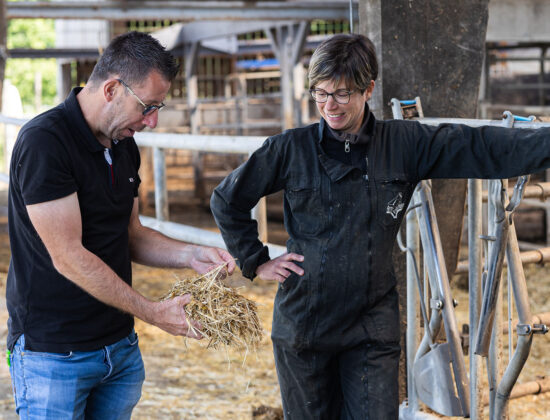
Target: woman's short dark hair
(349, 57)
(132, 56)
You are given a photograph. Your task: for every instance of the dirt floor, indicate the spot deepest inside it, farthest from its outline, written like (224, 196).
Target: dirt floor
(186, 381)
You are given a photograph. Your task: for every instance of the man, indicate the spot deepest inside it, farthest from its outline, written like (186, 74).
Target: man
(347, 182)
(74, 230)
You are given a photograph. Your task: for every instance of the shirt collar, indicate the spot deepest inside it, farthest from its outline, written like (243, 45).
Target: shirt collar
(365, 132)
(78, 123)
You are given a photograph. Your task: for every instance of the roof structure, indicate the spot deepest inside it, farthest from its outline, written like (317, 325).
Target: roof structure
(184, 10)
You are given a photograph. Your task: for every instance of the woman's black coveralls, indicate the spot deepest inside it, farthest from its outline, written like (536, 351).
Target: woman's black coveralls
(336, 328)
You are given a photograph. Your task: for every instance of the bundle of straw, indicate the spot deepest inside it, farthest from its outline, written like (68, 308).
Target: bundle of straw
(227, 318)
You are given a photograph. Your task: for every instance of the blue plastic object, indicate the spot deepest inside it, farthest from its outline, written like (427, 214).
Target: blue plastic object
(518, 118)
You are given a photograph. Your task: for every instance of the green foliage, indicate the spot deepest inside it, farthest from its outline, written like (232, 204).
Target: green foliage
(21, 72)
(37, 34)
(31, 33)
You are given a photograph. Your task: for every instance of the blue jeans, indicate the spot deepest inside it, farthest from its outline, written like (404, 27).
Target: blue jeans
(102, 384)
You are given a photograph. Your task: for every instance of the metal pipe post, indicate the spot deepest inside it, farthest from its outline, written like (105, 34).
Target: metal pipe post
(523, 346)
(413, 324)
(161, 195)
(494, 362)
(494, 358)
(437, 270)
(474, 281)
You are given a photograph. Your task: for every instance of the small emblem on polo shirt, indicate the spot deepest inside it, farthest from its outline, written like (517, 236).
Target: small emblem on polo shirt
(131, 179)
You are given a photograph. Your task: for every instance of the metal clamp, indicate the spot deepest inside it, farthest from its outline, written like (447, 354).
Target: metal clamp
(523, 329)
(436, 304)
(540, 329)
(527, 329)
(517, 195)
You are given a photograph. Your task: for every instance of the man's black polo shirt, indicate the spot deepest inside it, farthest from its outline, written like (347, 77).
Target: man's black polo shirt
(55, 155)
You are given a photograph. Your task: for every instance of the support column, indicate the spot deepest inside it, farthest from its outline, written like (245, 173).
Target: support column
(287, 42)
(475, 257)
(190, 56)
(370, 24)
(191, 81)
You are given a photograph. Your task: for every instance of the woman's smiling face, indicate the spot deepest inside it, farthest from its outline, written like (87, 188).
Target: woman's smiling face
(343, 117)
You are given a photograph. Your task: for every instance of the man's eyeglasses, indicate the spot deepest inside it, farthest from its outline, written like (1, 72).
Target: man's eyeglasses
(342, 96)
(147, 109)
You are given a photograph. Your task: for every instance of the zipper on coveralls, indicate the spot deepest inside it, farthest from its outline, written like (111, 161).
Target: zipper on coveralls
(346, 146)
(366, 176)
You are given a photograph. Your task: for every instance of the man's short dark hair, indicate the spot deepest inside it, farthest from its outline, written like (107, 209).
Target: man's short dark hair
(132, 56)
(349, 57)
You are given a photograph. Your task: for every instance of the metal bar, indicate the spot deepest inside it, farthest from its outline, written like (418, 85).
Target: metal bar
(499, 228)
(495, 59)
(396, 108)
(197, 236)
(538, 256)
(205, 143)
(521, 86)
(413, 324)
(436, 268)
(239, 125)
(494, 351)
(543, 318)
(521, 109)
(74, 53)
(370, 24)
(479, 123)
(523, 345)
(540, 190)
(536, 203)
(510, 304)
(538, 386)
(13, 121)
(161, 196)
(499, 225)
(351, 16)
(181, 10)
(474, 280)
(287, 83)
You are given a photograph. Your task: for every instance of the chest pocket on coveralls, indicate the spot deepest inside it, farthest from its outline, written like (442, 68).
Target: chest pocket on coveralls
(392, 200)
(304, 199)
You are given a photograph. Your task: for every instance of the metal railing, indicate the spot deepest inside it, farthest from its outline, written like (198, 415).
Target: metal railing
(430, 377)
(161, 141)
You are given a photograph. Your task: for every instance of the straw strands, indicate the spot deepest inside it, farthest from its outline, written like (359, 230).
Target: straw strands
(227, 318)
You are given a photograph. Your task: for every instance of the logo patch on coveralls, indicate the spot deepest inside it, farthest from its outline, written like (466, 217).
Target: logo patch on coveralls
(395, 205)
